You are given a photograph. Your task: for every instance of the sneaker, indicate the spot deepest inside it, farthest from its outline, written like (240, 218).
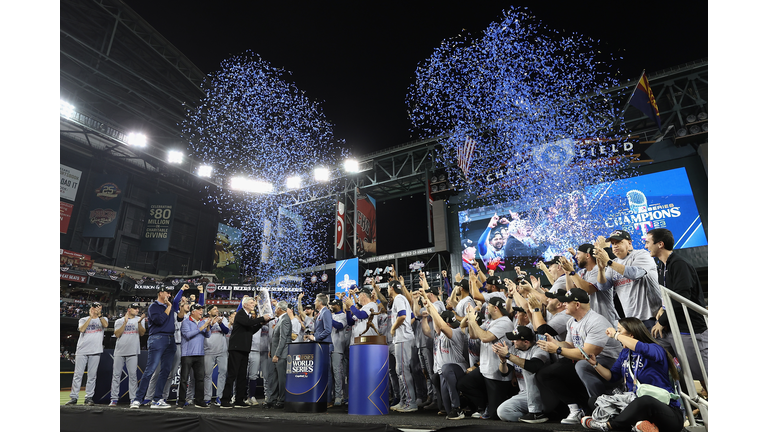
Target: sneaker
(72, 401)
(486, 415)
(88, 402)
(113, 403)
(644, 426)
(337, 402)
(147, 402)
(161, 404)
(180, 407)
(345, 401)
(252, 401)
(396, 407)
(413, 408)
(217, 402)
(574, 417)
(534, 418)
(455, 415)
(203, 406)
(225, 405)
(241, 405)
(135, 405)
(478, 415)
(432, 406)
(590, 423)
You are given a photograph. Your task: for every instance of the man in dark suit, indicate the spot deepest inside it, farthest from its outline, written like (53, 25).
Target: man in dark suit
(245, 324)
(278, 351)
(323, 327)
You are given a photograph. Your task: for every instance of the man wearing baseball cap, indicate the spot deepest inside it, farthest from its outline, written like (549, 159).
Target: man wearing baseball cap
(571, 379)
(468, 251)
(90, 345)
(485, 386)
(402, 339)
(338, 338)
(633, 275)
(555, 268)
(526, 358)
(161, 347)
(128, 330)
(601, 301)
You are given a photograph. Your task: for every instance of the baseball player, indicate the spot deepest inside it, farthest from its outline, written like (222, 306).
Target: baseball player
(215, 353)
(90, 345)
(128, 330)
(402, 338)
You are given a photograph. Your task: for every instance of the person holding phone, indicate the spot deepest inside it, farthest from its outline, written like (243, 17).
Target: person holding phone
(571, 380)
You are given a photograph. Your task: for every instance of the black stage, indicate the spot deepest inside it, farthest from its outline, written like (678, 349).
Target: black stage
(102, 418)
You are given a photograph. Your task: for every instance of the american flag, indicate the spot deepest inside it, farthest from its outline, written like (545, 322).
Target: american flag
(465, 153)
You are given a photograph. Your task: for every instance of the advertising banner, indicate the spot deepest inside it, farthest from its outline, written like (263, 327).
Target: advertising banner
(73, 277)
(70, 180)
(65, 214)
(340, 230)
(74, 260)
(365, 224)
(104, 205)
(227, 252)
(159, 217)
(346, 275)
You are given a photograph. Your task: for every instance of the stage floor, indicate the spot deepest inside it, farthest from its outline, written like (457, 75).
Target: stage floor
(101, 417)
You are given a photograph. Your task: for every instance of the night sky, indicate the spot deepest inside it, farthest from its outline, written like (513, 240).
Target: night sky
(358, 58)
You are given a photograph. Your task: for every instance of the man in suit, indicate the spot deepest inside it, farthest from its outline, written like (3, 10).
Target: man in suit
(323, 328)
(278, 351)
(244, 325)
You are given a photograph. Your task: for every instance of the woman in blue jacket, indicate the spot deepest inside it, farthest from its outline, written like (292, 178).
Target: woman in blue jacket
(644, 361)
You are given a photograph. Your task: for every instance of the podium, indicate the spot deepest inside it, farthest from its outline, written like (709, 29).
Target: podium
(307, 378)
(369, 376)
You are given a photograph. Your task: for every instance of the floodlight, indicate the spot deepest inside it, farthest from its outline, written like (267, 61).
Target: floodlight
(695, 129)
(66, 109)
(175, 156)
(136, 139)
(691, 118)
(681, 132)
(351, 166)
(248, 185)
(293, 182)
(705, 127)
(702, 115)
(322, 174)
(204, 170)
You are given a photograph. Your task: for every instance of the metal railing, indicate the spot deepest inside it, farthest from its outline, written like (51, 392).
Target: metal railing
(688, 399)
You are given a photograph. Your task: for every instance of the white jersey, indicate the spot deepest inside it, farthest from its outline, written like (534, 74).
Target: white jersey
(461, 307)
(534, 352)
(489, 360)
(400, 307)
(601, 301)
(450, 350)
(128, 343)
(339, 336)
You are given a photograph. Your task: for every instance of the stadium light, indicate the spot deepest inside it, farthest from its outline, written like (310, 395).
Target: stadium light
(351, 166)
(322, 174)
(137, 139)
(205, 171)
(175, 156)
(248, 185)
(66, 109)
(293, 182)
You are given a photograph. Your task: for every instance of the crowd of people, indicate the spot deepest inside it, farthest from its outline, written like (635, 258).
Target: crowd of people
(480, 346)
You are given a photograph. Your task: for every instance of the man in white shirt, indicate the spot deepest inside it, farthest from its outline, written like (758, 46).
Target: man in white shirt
(128, 330)
(90, 345)
(402, 339)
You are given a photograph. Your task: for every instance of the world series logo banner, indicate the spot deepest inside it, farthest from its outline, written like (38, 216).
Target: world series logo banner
(104, 199)
(159, 221)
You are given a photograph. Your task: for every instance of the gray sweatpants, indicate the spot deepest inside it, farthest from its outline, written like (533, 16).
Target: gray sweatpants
(403, 368)
(131, 363)
(337, 361)
(528, 400)
(211, 360)
(81, 361)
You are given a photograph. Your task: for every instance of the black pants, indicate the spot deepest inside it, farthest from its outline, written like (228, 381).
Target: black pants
(237, 371)
(485, 393)
(197, 365)
(665, 417)
(559, 382)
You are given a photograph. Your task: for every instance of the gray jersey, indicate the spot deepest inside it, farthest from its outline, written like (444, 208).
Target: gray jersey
(559, 322)
(461, 306)
(601, 301)
(128, 343)
(339, 336)
(591, 330)
(91, 341)
(450, 350)
(217, 342)
(489, 361)
(559, 284)
(296, 329)
(534, 352)
(638, 288)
